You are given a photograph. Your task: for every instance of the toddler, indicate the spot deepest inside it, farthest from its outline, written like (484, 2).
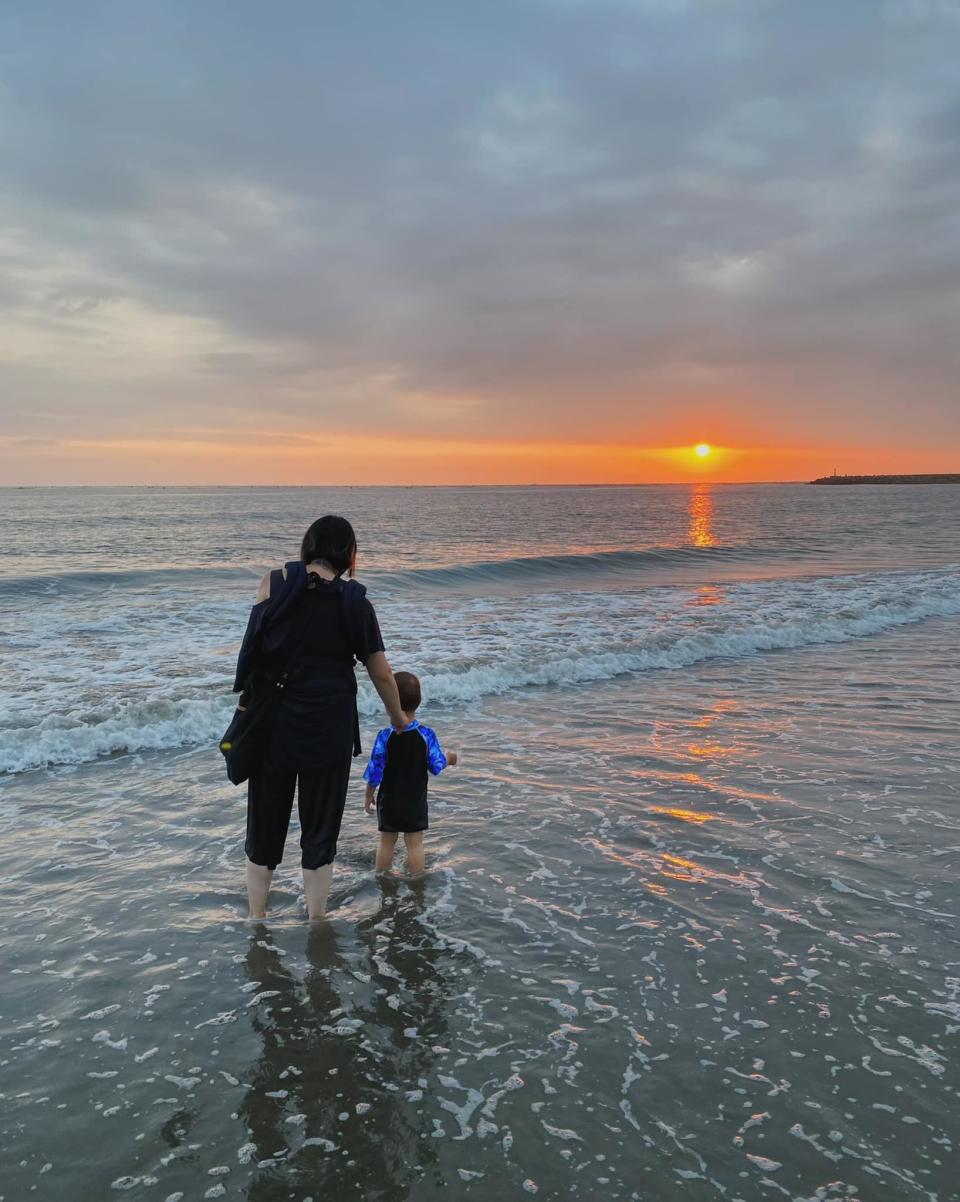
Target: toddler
(399, 763)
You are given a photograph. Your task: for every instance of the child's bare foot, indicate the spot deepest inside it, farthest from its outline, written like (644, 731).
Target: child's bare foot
(415, 857)
(385, 850)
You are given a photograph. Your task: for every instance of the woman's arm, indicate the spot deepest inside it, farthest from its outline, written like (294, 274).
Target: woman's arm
(263, 594)
(381, 674)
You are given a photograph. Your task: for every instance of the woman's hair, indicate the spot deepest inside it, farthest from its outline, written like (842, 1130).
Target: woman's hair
(332, 540)
(409, 689)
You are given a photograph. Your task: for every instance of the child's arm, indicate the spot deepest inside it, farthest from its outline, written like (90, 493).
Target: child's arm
(373, 773)
(436, 760)
(452, 758)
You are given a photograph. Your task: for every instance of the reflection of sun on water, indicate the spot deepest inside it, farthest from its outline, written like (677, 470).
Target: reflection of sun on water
(707, 594)
(694, 817)
(701, 516)
(711, 751)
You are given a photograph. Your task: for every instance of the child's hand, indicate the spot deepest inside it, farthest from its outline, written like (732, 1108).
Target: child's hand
(452, 758)
(369, 805)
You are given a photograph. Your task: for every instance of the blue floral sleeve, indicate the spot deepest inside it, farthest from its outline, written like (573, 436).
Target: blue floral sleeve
(373, 773)
(436, 760)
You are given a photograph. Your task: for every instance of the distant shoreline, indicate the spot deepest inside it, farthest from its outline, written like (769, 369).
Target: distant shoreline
(936, 478)
(694, 483)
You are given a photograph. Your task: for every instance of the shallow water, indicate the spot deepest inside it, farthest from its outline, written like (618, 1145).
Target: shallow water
(689, 932)
(121, 609)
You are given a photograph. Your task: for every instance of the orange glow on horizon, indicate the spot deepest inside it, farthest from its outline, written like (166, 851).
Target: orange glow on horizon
(268, 457)
(339, 457)
(707, 459)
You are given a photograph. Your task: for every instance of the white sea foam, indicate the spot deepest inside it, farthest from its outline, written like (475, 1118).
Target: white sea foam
(158, 686)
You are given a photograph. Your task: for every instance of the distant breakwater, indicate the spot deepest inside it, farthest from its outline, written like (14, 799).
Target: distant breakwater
(941, 478)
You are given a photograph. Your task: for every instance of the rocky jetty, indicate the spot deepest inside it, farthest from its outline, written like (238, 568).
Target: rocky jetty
(941, 478)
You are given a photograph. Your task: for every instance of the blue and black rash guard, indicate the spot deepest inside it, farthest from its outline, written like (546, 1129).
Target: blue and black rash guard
(399, 764)
(436, 761)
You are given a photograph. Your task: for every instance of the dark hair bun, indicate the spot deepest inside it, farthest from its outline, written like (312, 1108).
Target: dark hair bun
(330, 539)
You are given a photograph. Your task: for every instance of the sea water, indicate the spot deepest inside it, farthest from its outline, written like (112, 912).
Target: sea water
(690, 925)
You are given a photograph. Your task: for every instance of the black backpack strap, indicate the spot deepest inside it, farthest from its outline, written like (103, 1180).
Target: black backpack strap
(277, 609)
(293, 643)
(258, 626)
(351, 594)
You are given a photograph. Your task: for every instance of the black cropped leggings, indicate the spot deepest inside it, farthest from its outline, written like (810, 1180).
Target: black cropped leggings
(321, 795)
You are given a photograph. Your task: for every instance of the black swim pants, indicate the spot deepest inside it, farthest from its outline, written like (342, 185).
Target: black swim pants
(321, 795)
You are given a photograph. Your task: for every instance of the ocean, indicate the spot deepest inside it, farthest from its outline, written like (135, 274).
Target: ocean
(690, 925)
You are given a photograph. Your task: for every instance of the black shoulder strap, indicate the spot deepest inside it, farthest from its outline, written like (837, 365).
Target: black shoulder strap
(352, 593)
(278, 582)
(293, 643)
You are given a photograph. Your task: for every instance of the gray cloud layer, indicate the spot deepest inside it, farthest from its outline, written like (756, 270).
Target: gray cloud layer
(460, 216)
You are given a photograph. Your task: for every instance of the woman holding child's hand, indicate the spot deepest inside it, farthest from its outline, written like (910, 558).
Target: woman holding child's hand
(307, 615)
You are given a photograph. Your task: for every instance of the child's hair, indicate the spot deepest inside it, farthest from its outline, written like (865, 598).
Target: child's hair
(408, 686)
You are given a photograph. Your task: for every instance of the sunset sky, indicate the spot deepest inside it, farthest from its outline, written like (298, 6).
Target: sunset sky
(440, 242)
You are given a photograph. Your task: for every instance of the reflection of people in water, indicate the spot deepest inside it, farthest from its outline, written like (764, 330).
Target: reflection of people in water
(333, 1102)
(412, 1014)
(314, 1084)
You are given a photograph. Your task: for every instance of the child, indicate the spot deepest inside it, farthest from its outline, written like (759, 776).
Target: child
(399, 764)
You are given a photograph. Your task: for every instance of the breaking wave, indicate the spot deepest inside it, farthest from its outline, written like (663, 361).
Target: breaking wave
(540, 569)
(609, 641)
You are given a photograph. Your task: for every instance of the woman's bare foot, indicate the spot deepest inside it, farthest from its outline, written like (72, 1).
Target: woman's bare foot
(316, 889)
(258, 886)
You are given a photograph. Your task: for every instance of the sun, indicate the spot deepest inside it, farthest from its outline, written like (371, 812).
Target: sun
(702, 449)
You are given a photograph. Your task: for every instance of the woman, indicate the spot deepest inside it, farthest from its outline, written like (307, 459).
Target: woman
(308, 616)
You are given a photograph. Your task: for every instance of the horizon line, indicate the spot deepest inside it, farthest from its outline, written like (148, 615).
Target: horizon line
(450, 484)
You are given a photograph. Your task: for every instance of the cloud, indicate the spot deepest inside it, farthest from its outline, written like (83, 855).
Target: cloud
(455, 217)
